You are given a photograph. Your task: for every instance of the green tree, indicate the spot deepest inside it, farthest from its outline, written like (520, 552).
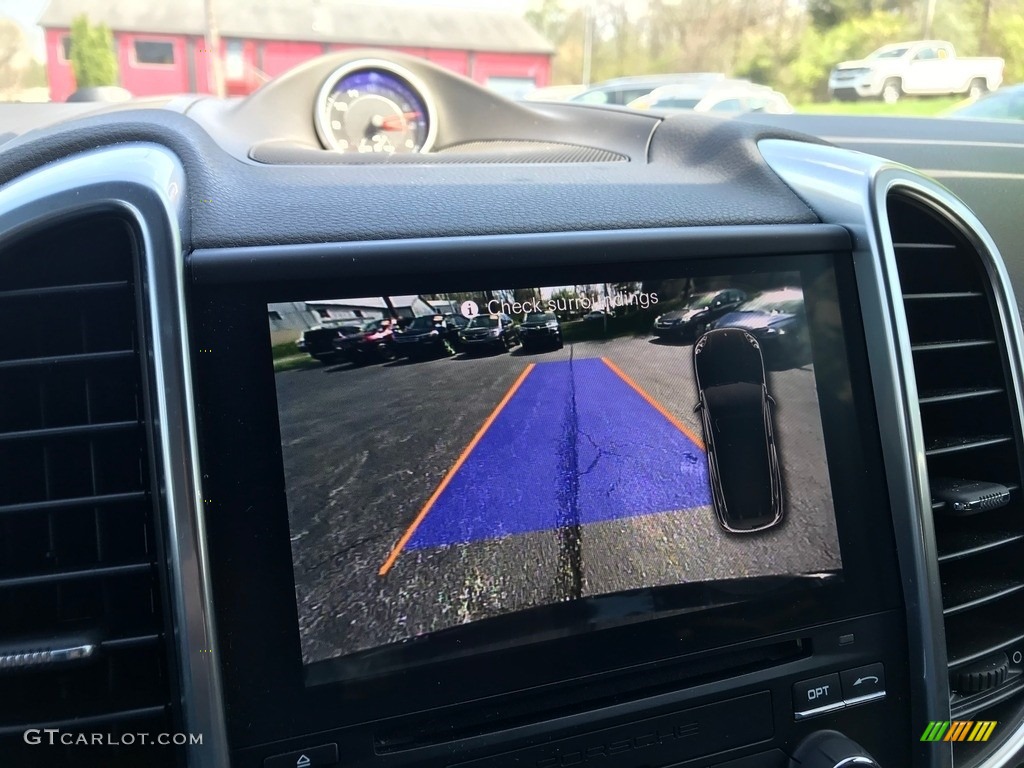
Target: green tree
(1007, 40)
(801, 69)
(14, 56)
(92, 54)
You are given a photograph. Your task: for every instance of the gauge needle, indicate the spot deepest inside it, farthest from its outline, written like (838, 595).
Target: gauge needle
(396, 122)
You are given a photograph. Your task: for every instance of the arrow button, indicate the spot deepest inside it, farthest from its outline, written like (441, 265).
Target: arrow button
(863, 684)
(314, 757)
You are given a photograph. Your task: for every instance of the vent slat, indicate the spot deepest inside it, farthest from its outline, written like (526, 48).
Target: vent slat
(983, 638)
(945, 445)
(130, 642)
(942, 296)
(937, 346)
(966, 707)
(965, 595)
(969, 543)
(77, 430)
(83, 724)
(100, 500)
(53, 291)
(929, 397)
(77, 575)
(83, 358)
(924, 246)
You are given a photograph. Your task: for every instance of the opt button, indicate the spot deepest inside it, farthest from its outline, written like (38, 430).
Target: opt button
(817, 696)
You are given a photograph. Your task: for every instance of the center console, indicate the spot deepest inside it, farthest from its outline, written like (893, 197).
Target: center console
(591, 499)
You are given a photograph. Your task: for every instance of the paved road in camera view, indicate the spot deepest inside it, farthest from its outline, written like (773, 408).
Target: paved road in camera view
(425, 495)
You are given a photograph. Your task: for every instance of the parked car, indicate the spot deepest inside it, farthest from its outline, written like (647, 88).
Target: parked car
(540, 329)
(778, 321)
(1004, 104)
(430, 335)
(374, 342)
(596, 316)
(923, 67)
(691, 320)
(319, 342)
(554, 93)
(623, 90)
(489, 332)
(733, 96)
(739, 437)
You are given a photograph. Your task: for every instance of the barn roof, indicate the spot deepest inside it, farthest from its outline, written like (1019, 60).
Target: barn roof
(370, 302)
(328, 21)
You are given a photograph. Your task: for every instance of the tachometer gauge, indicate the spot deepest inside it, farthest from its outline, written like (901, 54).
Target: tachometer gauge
(374, 107)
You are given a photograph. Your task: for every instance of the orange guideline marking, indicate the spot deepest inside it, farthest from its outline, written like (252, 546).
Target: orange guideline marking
(397, 550)
(655, 404)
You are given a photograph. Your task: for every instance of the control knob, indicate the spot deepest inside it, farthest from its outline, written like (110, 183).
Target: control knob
(831, 749)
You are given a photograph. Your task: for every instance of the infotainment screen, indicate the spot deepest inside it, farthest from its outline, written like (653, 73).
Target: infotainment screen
(452, 458)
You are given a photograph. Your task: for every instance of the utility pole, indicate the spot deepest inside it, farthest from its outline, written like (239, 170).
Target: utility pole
(588, 40)
(929, 19)
(215, 70)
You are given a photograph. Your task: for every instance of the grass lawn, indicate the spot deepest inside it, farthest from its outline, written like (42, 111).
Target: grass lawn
(295, 362)
(286, 349)
(914, 107)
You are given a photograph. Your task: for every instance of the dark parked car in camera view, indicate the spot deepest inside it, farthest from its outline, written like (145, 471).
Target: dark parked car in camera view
(691, 320)
(430, 336)
(739, 437)
(322, 342)
(540, 330)
(778, 321)
(489, 332)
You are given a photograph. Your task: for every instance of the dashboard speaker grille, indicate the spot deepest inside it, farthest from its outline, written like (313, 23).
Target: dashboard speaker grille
(82, 643)
(972, 434)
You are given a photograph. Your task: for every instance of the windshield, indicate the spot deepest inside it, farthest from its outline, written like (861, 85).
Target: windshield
(774, 303)
(422, 323)
(888, 53)
(701, 301)
(540, 317)
(611, 53)
(672, 103)
(483, 321)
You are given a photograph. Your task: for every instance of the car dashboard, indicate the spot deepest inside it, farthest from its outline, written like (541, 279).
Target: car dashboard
(710, 454)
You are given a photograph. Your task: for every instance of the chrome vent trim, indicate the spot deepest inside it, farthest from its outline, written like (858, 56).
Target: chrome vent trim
(145, 184)
(35, 656)
(972, 430)
(851, 189)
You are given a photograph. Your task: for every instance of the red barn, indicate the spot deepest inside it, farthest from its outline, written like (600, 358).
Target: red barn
(161, 47)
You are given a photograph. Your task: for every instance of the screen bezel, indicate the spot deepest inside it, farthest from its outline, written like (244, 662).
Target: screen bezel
(246, 512)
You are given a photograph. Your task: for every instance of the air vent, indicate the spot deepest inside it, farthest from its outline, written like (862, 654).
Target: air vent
(971, 433)
(83, 646)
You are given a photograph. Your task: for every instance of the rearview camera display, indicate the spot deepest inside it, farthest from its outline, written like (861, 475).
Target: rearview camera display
(452, 458)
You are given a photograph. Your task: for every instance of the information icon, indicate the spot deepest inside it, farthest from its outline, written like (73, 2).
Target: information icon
(470, 309)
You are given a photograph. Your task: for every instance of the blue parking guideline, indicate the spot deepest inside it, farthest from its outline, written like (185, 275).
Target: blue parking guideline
(575, 443)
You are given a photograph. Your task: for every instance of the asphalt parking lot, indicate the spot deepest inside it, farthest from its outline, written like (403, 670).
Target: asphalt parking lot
(426, 495)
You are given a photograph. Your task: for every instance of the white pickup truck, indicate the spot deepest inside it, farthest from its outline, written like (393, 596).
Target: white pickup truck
(924, 67)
